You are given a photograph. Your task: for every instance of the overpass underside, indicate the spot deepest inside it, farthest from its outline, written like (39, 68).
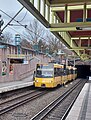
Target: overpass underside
(68, 20)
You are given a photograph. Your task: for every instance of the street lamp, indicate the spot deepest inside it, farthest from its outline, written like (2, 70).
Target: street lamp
(61, 54)
(47, 50)
(17, 42)
(41, 48)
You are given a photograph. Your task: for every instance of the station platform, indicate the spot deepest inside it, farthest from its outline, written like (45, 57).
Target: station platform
(81, 110)
(9, 86)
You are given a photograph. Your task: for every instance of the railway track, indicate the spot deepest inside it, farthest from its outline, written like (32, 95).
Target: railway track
(59, 108)
(17, 101)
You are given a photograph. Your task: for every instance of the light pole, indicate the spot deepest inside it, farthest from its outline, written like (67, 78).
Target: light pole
(61, 54)
(17, 42)
(47, 50)
(41, 48)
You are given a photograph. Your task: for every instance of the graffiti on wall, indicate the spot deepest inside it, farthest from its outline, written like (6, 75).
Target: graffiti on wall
(11, 69)
(4, 68)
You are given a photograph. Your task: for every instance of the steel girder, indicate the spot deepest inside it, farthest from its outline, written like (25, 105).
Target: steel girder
(63, 36)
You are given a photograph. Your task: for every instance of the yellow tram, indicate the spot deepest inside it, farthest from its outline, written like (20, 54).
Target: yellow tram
(51, 75)
(71, 73)
(74, 73)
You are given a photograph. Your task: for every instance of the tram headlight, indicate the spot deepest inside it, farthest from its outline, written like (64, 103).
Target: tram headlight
(50, 81)
(36, 80)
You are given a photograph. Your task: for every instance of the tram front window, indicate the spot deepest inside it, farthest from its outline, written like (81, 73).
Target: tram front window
(44, 72)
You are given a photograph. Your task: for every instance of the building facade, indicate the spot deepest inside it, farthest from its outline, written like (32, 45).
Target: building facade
(16, 65)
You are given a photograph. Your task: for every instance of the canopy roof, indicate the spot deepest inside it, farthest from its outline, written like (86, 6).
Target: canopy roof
(70, 22)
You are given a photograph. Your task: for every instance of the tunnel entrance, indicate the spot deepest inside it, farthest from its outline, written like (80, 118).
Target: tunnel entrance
(83, 71)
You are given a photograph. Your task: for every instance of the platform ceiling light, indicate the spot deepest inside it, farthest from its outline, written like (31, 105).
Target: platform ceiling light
(83, 28)
(88, 48)
(80, 38)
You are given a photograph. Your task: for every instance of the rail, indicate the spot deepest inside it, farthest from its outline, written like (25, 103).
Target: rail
(20, 100)
(44, 112)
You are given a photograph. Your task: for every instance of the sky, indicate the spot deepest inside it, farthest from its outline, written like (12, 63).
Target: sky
(11, 7)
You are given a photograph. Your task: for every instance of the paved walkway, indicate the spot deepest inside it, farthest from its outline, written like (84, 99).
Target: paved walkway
(8, 86)
(81, 109)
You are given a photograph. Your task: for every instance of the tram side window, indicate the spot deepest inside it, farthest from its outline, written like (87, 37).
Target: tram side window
(57, 72)
(61, 71)
(38, 72)
(67, 71)
(76, 71)
(72, 71)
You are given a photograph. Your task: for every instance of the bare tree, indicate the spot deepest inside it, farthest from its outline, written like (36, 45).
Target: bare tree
(54, 43)
(7, 37)
(34, 31)
(42, 46)
(26, 44)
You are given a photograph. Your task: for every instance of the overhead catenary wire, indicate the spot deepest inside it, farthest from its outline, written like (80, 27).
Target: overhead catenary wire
(25, 26)
(12, 18)
(19, 33)
(23, 17)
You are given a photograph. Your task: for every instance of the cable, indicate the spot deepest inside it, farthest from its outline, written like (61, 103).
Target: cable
(19, 33)
(12, 18)
(22, 25)
(23, 17)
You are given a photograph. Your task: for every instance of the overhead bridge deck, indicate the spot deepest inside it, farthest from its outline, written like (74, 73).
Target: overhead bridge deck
(68, 20)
